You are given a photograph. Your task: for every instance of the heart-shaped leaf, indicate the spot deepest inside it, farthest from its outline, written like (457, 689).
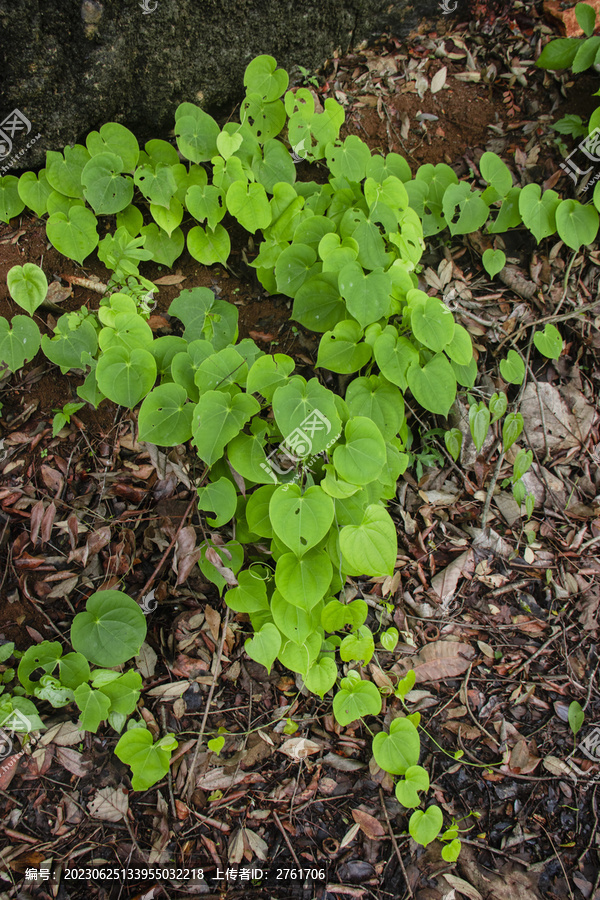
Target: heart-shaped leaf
(356, 698)
(321, 676)
(424, 827)
(111, 630)
(165, 416)
(512, 368)
(371, 547)
(27, 286)
(303, 581)
(74, 234)
(433, 385)
(431, 321)
(367, 296)
(265, 645)
(362, 457)
(149, 761)
(126, 376)
(397, 751)
(106, 189)
(300, 520)
(19, 341)
(549, 341)
(576, 224)
(228, 143)
(539, 210)
(407, 791)
(493, 261)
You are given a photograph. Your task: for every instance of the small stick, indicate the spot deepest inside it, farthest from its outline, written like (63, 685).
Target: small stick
(286, 839)
(190, 775)
(86, 283)
(394, 842)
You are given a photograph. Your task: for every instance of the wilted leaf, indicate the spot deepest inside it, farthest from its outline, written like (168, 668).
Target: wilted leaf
(146, 661)
(371, 826)
(160, 833)
(446, 581)
(256, 843)
(439, 80)
(169, 691)
(299, 748)
(110, 804)
(442, 659)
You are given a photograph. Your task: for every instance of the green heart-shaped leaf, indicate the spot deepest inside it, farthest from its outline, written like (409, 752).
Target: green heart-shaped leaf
(111, 630)
(303, 581)
(362, 457)
(493, 261)
(371, 547)
(300, 520)
(126, 376)
(424, 827)
(74, 235)
(434, 385)
(227, 143)
(407, 792)
(265, 645)
(19, 341)
(399, 750)
(549, 341)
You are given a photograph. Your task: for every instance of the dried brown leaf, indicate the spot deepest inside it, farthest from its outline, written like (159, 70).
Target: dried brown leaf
(110, 804)
(371, 826)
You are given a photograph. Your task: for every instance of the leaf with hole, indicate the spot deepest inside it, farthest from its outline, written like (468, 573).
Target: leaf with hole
(549, 341)
(165, 416)
(300, 520)
(19, 341)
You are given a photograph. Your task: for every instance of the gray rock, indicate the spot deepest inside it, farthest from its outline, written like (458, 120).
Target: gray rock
(68, 68)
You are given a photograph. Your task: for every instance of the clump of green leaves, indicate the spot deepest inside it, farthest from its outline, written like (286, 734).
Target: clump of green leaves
(301, 475)
(109, 633)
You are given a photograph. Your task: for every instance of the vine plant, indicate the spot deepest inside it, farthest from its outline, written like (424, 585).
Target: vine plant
(300, 476)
